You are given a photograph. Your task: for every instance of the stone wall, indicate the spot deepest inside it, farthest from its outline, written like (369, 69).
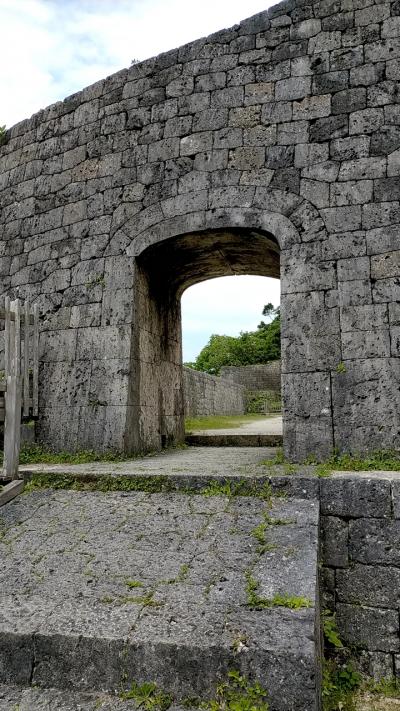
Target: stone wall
(361, 556)
(271, 148)
(255, 377)
(360, 559)
(209, 395)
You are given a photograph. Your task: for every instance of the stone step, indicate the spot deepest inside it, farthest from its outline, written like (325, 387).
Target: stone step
(194, 468)
(234, 440)
(14, 698)
(100, 590)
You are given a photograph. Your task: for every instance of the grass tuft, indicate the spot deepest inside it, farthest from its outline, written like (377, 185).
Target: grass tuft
(38, 454)
(385, 460)
(148, 697)
(388, 687)
(339, 686)
(255, 602)
(237, 694)
(149, 484)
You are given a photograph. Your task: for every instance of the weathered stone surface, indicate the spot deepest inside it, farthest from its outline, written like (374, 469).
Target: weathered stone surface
(88, 624)
(13, 697)
(368, 627)
(375, 542)
(360, 318)
(355, 586)
(348, 388)
(335, 539)
(352, 497)
(396, 499)
(378, 665)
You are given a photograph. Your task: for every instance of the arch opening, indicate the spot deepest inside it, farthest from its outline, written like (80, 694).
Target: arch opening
(164, 271)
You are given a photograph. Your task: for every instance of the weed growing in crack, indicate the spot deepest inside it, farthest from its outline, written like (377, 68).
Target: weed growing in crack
(256, 602)
(330, 629)
(240, 643)
(238, 694)
(339, 685)
(146, 600)
(134, 584)
(235, 694)
(386, 460)
(148, 697)
(149, 484)
(259, 534)
(389, 687)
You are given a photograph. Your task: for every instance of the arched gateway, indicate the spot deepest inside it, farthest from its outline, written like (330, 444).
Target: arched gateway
(270, 148)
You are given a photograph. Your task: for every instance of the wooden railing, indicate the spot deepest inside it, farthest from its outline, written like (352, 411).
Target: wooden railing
(19, 383)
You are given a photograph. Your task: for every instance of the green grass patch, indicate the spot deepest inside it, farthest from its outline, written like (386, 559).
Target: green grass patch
(339, 686)
(259, 534)
(256, 602)
(220, 422)
(145, 600)
(386, 460)
(260, 531)
(388, 687)
(150, 484)
(331, 633)
(180, 578)
(134, 584)
(234, 694)
(238, 694)
(148, 697)
(38, 454)
(261, 490)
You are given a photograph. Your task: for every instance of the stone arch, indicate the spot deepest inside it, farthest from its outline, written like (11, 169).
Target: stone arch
(158, 378)
(163, 270)
(291, 218)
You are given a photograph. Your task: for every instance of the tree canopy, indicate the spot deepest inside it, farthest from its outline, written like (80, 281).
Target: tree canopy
(249, 348)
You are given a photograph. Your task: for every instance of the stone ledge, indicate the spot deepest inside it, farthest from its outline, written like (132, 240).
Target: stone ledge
(27, 699)
(117, 587)
(234, 440)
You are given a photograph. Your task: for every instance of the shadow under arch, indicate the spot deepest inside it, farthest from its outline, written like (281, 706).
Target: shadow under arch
(163, 271)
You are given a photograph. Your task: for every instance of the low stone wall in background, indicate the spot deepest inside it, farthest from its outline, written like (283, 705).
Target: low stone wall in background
(266, 376)
(211, 395)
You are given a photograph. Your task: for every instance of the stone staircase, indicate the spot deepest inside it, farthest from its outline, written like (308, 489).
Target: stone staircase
(105, 589)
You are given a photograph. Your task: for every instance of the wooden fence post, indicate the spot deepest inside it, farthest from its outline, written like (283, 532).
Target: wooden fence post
(20, 384)
(12, 423)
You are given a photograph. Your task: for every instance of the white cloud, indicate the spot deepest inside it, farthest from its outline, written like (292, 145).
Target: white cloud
(52, 48)
(227, 306)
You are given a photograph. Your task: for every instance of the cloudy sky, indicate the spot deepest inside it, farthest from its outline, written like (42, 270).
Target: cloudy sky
(52, 48)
